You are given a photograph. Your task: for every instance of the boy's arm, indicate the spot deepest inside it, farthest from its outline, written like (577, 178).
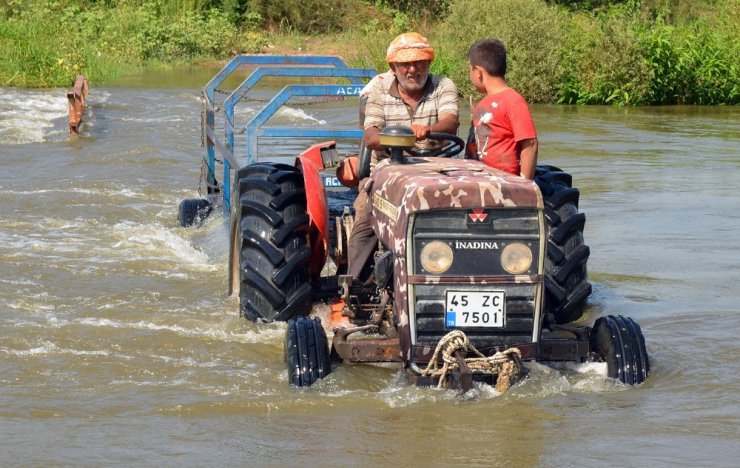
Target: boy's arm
(528, 155)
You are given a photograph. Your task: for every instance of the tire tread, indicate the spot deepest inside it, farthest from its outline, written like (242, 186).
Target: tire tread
(566, 285)
(274, 251)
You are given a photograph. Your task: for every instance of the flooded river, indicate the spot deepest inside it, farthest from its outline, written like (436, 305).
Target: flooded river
(119, 345)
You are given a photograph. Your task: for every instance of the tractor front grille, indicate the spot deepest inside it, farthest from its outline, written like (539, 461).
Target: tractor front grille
(477, 245)
(429, 308)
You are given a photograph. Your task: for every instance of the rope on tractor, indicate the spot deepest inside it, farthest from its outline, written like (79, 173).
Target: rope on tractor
(457, 340)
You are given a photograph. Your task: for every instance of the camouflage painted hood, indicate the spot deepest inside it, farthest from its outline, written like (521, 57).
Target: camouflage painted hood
(423, 184)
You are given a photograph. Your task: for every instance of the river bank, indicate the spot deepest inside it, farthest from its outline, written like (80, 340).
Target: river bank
(632, 53)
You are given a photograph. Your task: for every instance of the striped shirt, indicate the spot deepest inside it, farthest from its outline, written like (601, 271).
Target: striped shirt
(386, 107)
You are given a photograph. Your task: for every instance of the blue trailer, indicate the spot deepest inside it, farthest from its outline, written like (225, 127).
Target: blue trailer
(219, 125)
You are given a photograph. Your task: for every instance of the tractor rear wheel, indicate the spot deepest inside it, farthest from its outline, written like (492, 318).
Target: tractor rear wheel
(270, 235)
(566, 285)
(619, 342)
(306, 351)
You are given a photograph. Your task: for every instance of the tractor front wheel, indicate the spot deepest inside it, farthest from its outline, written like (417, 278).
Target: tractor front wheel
(306, 351)
(619, 342)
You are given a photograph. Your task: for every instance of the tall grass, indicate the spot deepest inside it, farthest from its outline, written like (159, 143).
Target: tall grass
(695, 62)
(624, 54)
(627, 55)
(532, 30)
(47, 43)
(605, 61)
(629, 52)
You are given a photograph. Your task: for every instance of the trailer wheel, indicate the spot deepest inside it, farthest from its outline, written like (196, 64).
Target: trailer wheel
(619, 342)
(271, 270)
(566, 285)
(306, 352)
(193, 210)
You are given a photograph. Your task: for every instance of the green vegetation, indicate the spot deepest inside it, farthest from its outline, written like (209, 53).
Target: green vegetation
(627, 52)
(48, 42)
(630, 53)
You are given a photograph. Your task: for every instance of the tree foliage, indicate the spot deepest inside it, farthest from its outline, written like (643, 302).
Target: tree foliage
(624, 52)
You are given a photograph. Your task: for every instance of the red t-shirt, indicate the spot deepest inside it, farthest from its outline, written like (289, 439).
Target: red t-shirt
(500, 121)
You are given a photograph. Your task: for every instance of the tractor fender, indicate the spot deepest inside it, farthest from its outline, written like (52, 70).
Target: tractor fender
(310, 164)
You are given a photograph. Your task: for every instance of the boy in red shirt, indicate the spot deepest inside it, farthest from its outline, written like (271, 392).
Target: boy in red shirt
(505, 137)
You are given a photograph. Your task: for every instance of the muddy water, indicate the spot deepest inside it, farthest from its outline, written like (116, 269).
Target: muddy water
(118, 344)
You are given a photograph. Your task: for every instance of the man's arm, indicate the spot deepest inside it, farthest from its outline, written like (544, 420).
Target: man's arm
(528, 155)
(447, 123)
(374, 112)
(448, 111)
(372, 138)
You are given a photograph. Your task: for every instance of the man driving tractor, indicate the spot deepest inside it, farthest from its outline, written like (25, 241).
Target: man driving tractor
(409, 96)
(477, 270)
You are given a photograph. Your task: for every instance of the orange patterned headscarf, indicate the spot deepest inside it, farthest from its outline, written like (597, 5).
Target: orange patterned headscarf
(409, 47)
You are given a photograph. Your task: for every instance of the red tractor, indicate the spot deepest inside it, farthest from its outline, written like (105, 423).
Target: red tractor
(476, 271)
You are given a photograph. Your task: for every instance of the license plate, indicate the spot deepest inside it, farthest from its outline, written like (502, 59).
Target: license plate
(475, 309)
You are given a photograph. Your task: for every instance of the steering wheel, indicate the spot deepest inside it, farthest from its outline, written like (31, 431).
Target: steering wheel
(454, 145)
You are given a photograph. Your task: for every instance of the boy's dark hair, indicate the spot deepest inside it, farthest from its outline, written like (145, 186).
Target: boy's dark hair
(489, 54)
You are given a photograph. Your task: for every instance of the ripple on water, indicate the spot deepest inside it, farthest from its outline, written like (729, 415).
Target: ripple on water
(117, 338)
(28, 116)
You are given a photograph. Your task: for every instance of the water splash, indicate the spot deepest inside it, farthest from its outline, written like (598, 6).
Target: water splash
(30, 116)
(284, 115)
(139, 241)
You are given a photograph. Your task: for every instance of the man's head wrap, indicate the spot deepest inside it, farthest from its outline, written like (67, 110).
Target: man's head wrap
(409, 47)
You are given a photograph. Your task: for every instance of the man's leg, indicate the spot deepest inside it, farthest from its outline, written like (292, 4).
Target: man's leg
(363, 240)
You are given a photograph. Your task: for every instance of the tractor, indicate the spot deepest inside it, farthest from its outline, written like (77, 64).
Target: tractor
(476, 271)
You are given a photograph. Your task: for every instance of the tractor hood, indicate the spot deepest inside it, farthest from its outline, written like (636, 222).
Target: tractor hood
(422, 184)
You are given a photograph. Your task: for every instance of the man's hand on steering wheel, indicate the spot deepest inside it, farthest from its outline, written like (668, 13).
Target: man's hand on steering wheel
(453, 146)
(421, 131)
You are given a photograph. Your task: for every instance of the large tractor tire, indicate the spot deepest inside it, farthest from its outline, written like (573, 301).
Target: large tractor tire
(306, 352)
(270, 249)
(619, 342)
(566, 285)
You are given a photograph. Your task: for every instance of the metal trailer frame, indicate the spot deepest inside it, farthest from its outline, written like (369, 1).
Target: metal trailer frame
(269, 65)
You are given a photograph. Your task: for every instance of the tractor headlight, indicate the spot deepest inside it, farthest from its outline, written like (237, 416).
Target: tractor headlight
(436, 257)
(516, 258)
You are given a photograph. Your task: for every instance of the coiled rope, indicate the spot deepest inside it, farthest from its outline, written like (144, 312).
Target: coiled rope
(505, 363)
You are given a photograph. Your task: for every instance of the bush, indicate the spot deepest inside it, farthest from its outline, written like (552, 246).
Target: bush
(35, 52)
(570, 51)
(632, 54)
(39, 48)
(305, 16)
(605, 62)
(695, 62)
(423, 11)
(532, 30)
